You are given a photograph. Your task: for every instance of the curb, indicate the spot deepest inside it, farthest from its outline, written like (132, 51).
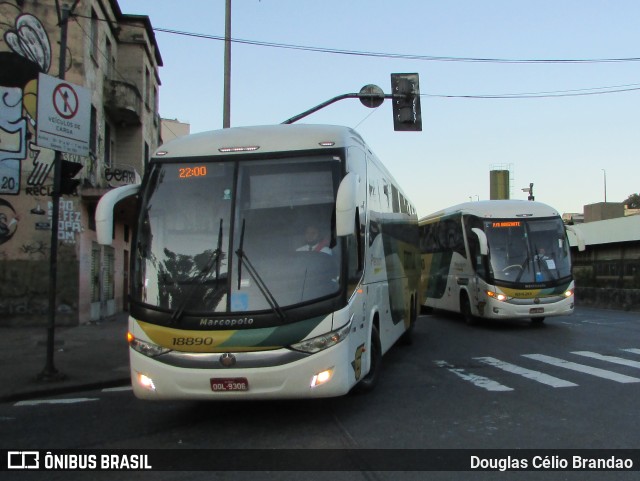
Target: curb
(46, 393)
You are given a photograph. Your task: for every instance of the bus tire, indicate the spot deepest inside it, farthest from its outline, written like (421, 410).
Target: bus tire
(465, 310)
(369, 382)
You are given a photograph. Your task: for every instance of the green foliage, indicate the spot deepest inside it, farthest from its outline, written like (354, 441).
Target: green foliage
(633, 201)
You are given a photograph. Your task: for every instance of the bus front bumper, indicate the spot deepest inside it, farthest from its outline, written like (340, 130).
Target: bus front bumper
(495, 309)
(154, 380)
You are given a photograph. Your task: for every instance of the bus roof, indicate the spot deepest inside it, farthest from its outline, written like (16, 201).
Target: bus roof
(261, 139)
(499, 209)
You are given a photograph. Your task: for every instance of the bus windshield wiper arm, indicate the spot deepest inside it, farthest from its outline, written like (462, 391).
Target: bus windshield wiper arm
(214, 259)
(243, 260)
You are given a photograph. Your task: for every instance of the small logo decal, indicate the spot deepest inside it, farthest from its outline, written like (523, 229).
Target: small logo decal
(227, 359)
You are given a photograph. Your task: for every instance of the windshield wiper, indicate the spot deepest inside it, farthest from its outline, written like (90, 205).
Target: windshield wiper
(244, 260)
(214, 259)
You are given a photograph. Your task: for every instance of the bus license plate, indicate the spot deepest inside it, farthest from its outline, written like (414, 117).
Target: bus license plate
(536, 310)
(229, 384)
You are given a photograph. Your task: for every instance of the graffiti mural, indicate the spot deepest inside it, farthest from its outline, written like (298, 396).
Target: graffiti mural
(8, 221)
(29, 54)
(26, 169)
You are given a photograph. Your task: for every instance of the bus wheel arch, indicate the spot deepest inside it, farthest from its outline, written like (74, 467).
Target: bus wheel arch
(369, 382)
(465, 309)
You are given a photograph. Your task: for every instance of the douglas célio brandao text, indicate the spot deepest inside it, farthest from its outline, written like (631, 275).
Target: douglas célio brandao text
(555, 462)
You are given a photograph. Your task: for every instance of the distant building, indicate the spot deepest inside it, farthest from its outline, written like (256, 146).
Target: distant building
(603, 211)
(573, 218)
(628, 211)
(607, 272)
(172, 129)
(116, 58)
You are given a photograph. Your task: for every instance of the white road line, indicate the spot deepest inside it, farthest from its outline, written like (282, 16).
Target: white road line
(613, 359)
(528, 373)
(479, 381)
(594, 371)
(632, 350)
(55, 401)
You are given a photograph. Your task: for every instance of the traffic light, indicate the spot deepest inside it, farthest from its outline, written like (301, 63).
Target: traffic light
(406, 101)
(68, 170)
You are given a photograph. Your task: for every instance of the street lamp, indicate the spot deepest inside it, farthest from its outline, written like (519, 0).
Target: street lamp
(605, 185)
(530, 191)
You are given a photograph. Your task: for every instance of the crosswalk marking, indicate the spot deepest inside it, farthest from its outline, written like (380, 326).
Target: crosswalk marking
(528, 373)
(632, 350)
(594, 371)
(480, 381)
(612, 359)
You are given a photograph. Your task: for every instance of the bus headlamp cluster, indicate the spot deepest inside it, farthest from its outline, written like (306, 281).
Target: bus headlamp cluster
(568, 293)
(500, 297)
(146, 348)
(324, 341)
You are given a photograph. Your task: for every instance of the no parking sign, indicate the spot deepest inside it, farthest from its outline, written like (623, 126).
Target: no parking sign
(64, 116)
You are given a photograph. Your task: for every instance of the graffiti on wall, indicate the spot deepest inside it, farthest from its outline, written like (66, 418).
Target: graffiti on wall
(8, 221)
(29, 54)
(26, 169)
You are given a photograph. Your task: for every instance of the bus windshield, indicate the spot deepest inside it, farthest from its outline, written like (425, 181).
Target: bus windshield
(237, 236)
(531, 251)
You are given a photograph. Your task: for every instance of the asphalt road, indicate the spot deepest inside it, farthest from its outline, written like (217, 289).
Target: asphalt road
(573, 383)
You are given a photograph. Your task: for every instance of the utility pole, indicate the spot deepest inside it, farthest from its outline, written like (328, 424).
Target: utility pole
(605, 185)
(226, 107)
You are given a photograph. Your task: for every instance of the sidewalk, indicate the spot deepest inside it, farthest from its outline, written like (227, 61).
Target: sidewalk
(88, 356)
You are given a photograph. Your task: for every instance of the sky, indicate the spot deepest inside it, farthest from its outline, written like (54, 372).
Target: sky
(570, 122)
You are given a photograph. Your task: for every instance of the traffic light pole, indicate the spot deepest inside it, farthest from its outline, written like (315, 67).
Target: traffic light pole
(50, 373)
(361, 96)
(406, 105)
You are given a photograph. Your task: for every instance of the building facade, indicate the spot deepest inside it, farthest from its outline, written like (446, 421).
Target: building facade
(607, 272)
(116, 58)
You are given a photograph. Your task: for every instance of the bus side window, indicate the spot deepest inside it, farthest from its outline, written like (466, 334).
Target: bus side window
(355, 253)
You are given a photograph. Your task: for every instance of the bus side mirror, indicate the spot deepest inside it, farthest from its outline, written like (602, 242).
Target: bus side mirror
(482, 238)
(346, 204)
(104, 211)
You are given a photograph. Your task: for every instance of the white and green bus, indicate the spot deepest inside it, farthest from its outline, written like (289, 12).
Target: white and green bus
(496, 259)
(267, 262)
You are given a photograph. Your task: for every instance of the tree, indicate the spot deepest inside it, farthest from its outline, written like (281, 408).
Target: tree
(633, 201)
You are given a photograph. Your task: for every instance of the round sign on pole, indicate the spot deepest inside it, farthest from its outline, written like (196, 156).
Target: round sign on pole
(65, 101)
(371, 96)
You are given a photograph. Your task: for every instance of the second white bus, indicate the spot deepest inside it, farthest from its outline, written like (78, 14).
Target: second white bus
(497, 259)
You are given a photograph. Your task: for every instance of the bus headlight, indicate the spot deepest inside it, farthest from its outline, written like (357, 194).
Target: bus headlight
(324, 341)
(146, 348)
(568, 293)
(146, 382)
(322, 377)
(500, 297)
